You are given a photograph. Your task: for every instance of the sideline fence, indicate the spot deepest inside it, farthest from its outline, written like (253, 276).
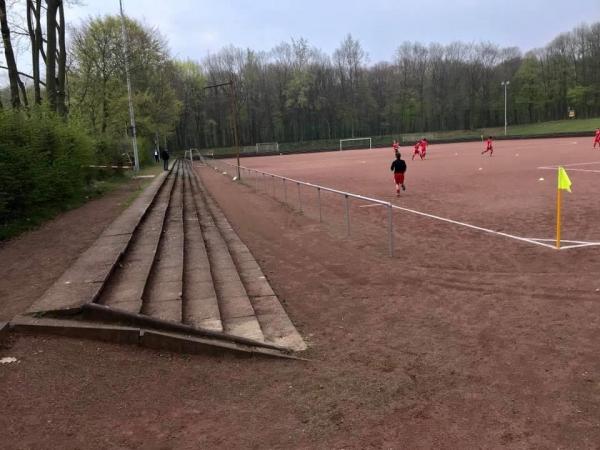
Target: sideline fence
(267, 182)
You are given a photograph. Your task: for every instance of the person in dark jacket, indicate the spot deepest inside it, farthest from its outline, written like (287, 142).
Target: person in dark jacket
(399, 168)
(164, 155)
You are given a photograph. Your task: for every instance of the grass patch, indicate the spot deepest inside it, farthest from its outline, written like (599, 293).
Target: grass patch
(96, 188)
(534, 129)
(557, 126)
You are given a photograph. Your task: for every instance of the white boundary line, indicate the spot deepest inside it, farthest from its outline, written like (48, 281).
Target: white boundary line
(570, 169)
(371, 205)
(564, 240)
(474, 227)
(588, 244)
(538, 242)
(581, 164)
(569, 165)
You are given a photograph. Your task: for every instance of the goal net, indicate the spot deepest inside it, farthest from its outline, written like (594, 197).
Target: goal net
(267, 147)
(354, 143)
(193, 154)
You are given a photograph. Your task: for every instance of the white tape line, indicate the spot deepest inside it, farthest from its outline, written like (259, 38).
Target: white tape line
(570, 170)
(589, 244)
(371, 205)
(581, 164)
(564, 240)
(473, 227)
(570, 165)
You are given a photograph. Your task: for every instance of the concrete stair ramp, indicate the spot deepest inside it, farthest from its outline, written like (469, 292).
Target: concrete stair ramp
(172, 267)
(275, 324)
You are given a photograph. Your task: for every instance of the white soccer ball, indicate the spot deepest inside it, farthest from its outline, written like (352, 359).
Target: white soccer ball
(541, 179)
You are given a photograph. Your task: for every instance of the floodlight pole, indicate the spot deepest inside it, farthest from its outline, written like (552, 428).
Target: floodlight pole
(233, 98)
(234, 117)
(136, 159)
(505, 84)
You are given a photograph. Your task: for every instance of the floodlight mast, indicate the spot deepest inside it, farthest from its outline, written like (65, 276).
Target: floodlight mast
(505, 84)
(136, 159)
(234, 115)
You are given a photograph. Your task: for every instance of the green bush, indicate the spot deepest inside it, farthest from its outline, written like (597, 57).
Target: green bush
(42, 166)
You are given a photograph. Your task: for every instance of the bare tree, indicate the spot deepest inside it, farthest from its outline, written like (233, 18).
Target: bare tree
(13, 73)
(62, 62)
(51, 89)
(35, 37)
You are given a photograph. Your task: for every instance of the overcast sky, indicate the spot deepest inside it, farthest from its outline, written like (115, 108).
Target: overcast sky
(195, 28)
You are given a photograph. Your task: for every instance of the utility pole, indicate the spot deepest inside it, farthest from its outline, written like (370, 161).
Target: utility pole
(136, 166)
(234, 117)
(505, 84)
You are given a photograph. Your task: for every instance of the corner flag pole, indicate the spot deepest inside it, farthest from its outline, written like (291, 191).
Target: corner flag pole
(564, 183)
(558, 224)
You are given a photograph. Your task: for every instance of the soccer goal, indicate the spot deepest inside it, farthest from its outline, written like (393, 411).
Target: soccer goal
(267, 147)
(355, 143)
(193, 153)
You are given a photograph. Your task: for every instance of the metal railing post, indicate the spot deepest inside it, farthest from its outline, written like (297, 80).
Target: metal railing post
(347, 215)
(391, 228)
(319, 199)
(347, 196)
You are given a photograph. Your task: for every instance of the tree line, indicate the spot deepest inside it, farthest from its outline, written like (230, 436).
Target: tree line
(295, 92)
(292, 93)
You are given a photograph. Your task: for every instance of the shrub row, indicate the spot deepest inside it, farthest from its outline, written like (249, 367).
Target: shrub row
(42, 161)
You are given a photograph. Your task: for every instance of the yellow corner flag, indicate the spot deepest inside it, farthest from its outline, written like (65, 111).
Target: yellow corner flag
(564, 182)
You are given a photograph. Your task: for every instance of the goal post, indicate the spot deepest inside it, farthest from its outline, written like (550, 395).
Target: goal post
(189, 154)
(356, 140)
(267, 147)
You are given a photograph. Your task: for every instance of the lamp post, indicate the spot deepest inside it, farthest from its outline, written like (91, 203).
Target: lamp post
(136, 159)
(505, 84)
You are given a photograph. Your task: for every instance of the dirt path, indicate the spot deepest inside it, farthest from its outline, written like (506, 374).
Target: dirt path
(396, 360)
(34, 260)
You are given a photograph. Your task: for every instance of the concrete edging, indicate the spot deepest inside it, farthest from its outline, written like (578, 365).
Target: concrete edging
(82, 282)
(152, 339)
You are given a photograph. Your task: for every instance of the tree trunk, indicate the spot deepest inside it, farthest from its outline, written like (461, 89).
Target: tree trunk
(62, 62)
(23, 92)
(35, 36)
(13, 74)
(52, 7)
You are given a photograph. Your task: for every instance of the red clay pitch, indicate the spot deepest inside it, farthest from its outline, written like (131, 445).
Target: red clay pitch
(463, 340)
(503, 192)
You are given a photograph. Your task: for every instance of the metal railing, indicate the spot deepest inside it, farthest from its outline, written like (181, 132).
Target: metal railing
(265, 176)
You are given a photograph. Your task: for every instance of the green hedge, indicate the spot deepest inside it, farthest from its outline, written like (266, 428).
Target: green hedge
(42, 161)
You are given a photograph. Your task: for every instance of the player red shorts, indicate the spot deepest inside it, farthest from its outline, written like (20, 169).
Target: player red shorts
(399, 178)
